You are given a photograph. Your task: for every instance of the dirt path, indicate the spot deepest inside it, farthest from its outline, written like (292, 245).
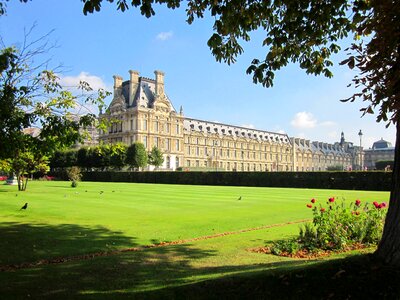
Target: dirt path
(59, 260)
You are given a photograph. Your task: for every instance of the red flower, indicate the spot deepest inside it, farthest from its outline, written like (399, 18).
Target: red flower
(309, 205)
(332, 199)
(313, 200)
(322, 209)
(376, 204)
(358, 202)
(383, 204)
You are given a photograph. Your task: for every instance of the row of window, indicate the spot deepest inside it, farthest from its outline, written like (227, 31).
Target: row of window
(320, 159)
(157, 127)
(215, 152)
(163, 144)
(235, 145)
(168, 162)
(236, 166)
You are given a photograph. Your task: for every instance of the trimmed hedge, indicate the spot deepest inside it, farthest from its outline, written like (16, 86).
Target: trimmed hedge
(373, 181)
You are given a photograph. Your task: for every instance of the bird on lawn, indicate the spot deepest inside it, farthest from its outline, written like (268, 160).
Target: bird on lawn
(240, 198)
(25, 206)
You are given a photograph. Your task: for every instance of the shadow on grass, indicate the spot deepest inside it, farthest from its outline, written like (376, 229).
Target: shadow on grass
(355, 277)
(26, 243)
(175, 272)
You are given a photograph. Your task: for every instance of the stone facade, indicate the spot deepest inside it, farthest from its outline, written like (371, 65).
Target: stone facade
(381, 150)
(141, 111)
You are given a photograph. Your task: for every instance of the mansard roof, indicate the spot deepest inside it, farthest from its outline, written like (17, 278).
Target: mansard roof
(234, 131)
(315, 146)
(144, 95)
(381, 144)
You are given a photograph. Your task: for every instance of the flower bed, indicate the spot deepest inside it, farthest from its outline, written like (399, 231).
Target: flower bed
(336, 226)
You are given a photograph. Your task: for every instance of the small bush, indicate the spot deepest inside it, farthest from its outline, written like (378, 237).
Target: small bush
(74, 175)
(74, 183)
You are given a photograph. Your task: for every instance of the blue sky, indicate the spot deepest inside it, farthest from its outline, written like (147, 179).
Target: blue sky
(98, 46)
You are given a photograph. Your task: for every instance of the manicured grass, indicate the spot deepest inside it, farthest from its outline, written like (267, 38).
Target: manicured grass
(61, 222)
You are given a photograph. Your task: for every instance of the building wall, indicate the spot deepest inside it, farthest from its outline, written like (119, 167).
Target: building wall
(374, 155)
(140, 111)
(232, 148)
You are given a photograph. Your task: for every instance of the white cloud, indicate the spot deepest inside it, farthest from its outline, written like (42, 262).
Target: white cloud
(163, 36)
(281, 131)
(95, 82)
(304, 119)
(248, 126)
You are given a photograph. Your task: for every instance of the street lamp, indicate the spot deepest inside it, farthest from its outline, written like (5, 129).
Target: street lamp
(360, 134)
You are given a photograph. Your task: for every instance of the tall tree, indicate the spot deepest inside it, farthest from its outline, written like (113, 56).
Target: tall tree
(307, 32)
(117, 155)
(156, 157)
(31, 96)
(136, 156)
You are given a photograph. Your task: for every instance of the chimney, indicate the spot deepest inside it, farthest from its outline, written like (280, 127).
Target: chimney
(133, 85)
(117, 85)
(159, 82)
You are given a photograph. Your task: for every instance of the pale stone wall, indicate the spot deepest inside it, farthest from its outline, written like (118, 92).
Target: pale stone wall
(145, 114)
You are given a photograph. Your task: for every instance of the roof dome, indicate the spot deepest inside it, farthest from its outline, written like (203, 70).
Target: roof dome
(381, 144)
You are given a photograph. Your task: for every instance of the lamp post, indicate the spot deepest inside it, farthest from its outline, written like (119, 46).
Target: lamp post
(360, 134)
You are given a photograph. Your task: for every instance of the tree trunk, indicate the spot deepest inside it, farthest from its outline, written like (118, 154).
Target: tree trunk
(19, 179)
(26, 183)
(389, 248)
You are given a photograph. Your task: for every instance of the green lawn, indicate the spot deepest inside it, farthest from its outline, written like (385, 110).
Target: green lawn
(62, 222)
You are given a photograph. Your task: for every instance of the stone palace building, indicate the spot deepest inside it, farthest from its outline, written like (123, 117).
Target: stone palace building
(141, 111)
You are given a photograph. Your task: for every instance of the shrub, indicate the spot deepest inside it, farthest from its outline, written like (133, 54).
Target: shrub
(74, 174)
(337, 226)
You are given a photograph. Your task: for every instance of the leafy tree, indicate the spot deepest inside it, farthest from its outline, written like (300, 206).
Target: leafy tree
(24, 165)
(82, 158)
(136, 156)
(57, 160)
(117, 156)
(156, 157)
(31, 96)
(307, 32)
(70, 157)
